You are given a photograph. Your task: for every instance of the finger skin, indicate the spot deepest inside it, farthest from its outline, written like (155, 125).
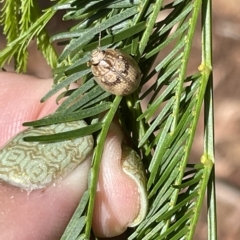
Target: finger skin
(44, 214)
(20, 101)
(117, 198)
(41, 214)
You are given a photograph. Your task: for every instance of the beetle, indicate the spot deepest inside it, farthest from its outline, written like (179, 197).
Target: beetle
(115, 71)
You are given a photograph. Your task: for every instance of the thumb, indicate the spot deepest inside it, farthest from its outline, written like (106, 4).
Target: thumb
(41, 214)
(44, 214)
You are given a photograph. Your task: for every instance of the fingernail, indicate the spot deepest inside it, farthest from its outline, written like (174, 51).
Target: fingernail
(133, 167)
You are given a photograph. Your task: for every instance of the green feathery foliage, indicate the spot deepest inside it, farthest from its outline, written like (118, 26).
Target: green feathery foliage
(163, 132)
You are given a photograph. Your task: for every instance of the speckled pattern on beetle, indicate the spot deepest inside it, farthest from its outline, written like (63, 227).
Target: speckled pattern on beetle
(115, 71)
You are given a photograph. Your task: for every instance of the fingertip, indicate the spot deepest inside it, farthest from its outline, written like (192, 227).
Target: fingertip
(117, 199)
(44, 213)
(20, 102)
